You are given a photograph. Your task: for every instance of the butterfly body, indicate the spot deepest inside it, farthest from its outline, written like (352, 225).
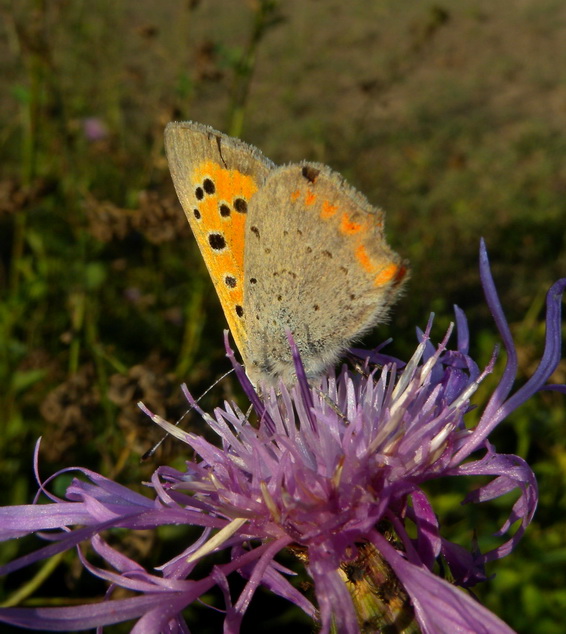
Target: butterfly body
(289, 249)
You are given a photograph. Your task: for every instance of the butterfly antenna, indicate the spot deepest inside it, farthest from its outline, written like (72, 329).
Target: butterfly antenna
(151, 452)
(333, 406)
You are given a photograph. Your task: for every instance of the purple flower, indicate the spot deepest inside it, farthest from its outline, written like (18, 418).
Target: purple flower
(94, 129)
(333, 472)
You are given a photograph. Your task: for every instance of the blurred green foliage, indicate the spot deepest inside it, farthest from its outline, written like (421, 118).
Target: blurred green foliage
(450, 115)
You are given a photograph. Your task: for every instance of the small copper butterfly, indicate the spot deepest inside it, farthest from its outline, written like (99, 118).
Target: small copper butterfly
(291, 248)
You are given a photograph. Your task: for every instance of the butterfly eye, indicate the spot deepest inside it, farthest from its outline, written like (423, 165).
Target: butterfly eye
(310, 173)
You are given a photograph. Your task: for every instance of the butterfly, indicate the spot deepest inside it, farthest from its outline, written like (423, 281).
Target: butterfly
(290, 249)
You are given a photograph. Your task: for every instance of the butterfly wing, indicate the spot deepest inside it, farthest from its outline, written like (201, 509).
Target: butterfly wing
(216, 178)
(316, 264)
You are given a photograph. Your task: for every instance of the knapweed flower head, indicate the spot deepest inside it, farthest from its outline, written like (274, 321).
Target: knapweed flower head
(94, 129)
(333, 473)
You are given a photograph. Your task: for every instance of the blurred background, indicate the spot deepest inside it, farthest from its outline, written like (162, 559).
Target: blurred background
(451, 116)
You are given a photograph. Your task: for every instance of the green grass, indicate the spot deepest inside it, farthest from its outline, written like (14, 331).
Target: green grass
(449, 115)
